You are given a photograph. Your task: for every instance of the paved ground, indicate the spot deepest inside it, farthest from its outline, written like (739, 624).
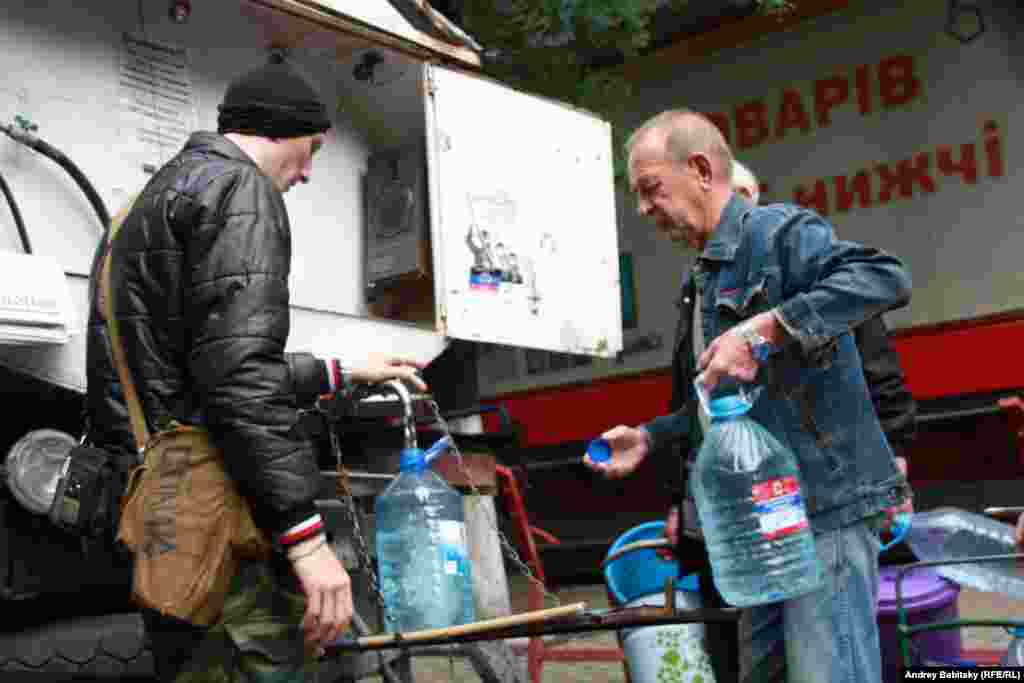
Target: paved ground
(970, 604)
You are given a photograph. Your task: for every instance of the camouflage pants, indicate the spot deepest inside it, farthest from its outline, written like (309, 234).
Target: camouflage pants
(257, 639)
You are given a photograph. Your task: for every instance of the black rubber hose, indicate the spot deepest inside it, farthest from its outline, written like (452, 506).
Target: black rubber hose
(83, 182)
(16, 212)
(61, 159)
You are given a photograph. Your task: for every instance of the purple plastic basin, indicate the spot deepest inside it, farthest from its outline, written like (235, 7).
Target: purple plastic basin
(927, 598)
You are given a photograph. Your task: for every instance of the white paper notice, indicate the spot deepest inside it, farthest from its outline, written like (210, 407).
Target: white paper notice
(158, 104)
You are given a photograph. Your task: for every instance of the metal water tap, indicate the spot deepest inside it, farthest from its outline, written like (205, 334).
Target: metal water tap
(22, 130)
(409, 416)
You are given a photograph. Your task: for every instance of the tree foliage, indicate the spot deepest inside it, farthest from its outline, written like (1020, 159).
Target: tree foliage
(548, 47)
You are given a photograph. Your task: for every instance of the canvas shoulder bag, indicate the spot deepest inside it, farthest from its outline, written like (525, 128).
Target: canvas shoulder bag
(182, 516)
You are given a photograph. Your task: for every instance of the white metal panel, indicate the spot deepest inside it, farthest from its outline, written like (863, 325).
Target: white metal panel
(516, 176)
(61, 71)
(35, 305)
(328, 335)
(60, 364)
(355, 338)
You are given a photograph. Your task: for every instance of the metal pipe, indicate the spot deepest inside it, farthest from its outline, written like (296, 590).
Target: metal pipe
(958, 414)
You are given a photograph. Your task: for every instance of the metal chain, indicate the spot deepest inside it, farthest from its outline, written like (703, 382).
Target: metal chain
(509, 549)
(344, 491)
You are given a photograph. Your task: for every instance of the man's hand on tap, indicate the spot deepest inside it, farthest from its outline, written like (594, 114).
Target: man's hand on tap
(380, 368)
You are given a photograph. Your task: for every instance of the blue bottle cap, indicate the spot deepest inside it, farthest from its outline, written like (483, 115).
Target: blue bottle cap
(729, 406)
(412, 460)
(599, 450)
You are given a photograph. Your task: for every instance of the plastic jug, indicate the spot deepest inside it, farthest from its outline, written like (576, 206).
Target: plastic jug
(425, 572)
(949, 533)
(748, 492)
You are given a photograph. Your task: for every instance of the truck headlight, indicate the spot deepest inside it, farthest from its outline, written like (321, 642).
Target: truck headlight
(34, 465)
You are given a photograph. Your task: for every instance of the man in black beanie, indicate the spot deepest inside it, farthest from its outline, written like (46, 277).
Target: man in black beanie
(200, 268)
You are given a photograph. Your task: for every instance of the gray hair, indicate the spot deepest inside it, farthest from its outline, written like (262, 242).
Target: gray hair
(743, 177)
(685, 132)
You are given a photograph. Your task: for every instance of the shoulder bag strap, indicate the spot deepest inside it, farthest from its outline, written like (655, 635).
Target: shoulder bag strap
(135, 414)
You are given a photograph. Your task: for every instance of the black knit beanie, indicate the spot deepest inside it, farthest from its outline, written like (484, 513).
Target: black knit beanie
(272, 101)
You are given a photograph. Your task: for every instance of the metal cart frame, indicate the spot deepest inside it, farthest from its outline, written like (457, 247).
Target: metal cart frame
(905, 632)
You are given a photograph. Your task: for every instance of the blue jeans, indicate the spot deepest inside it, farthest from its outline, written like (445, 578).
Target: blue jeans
(832, 634)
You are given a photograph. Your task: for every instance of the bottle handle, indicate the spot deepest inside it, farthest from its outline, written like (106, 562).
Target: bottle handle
(702, 394)
(900, 528)
(748, 393)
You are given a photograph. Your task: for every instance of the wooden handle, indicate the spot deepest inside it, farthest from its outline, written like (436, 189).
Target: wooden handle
(574, 609)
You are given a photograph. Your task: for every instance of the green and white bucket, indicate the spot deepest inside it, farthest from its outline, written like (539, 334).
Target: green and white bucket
(673, 653)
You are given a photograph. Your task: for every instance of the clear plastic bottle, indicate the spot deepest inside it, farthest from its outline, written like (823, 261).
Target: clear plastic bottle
(425, 572)
(1015, 652)
(949, 533)
(748, 491)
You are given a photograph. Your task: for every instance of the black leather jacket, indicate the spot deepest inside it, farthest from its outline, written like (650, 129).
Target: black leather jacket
(894, 404)
(200, 278)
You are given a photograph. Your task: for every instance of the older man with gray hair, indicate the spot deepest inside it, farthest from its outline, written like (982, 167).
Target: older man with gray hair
(772, 298)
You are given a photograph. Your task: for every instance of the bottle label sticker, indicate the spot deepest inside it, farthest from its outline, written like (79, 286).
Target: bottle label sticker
(779, 507)
(453, 533)
(485, 280)
(453, 546)
(453, 561)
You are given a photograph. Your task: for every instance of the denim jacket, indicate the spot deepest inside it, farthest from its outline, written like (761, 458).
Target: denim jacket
(815, 400)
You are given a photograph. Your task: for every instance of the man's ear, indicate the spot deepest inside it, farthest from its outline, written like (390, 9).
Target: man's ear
(701, 165)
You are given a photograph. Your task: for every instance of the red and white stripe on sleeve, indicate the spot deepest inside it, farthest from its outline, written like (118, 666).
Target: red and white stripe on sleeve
(300, 532)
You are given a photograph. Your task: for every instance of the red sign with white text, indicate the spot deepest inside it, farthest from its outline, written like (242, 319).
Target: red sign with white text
(779, 507)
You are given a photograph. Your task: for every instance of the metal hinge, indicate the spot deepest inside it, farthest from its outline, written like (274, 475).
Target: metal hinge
(429, 84)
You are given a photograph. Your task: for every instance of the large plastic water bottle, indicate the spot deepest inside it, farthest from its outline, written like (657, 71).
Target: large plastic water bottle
(425, 572)
(949, 533)
(749, 497)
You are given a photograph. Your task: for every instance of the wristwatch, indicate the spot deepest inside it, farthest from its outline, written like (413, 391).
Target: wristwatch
(760, 348)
